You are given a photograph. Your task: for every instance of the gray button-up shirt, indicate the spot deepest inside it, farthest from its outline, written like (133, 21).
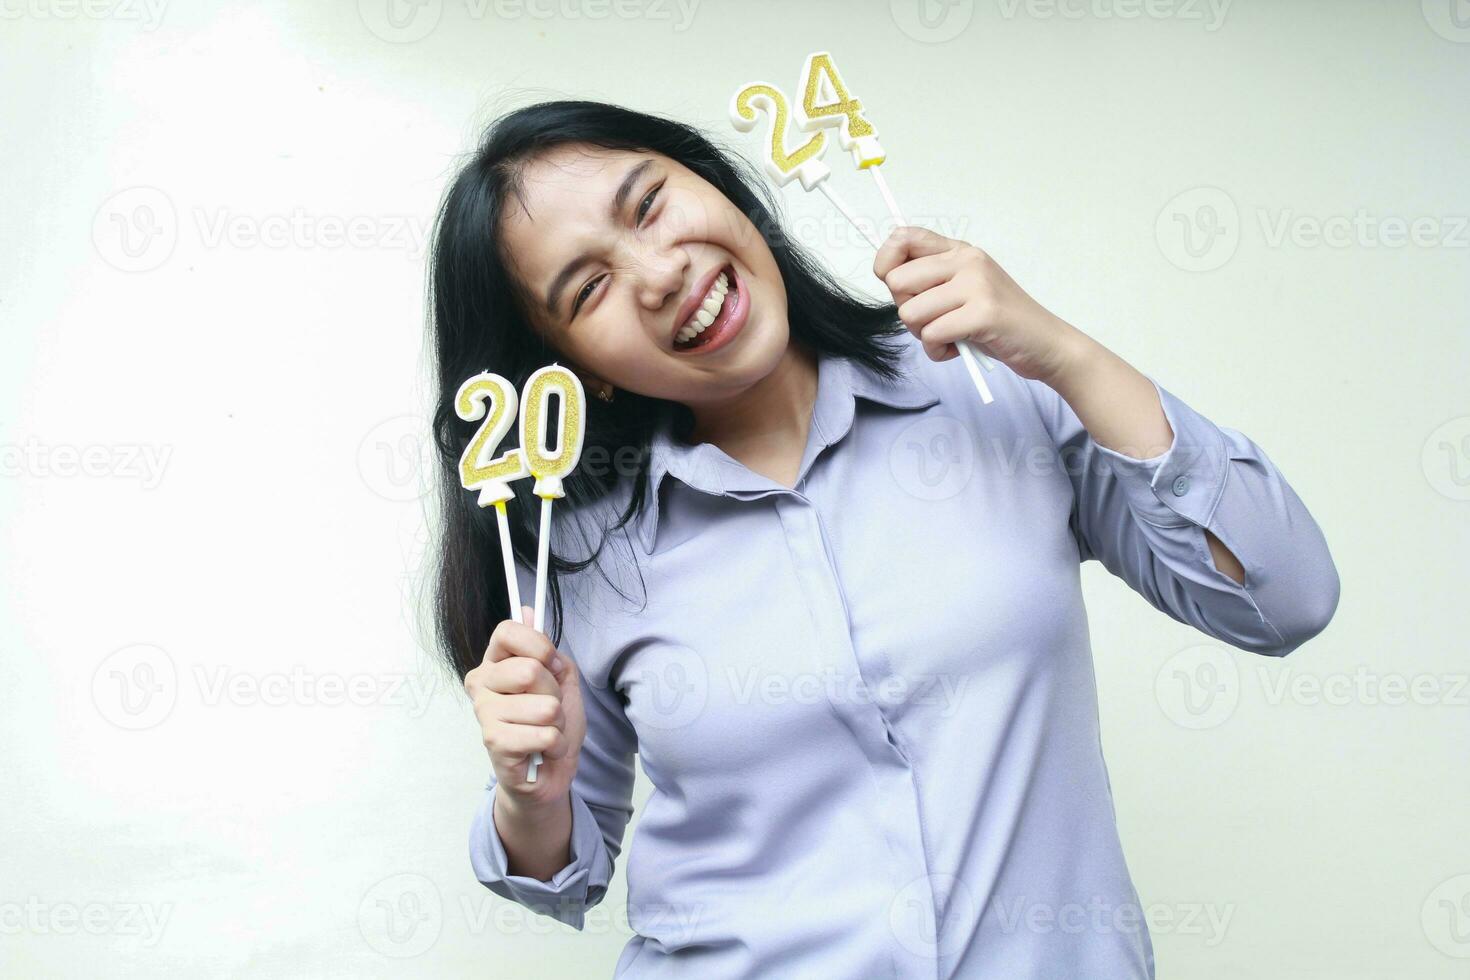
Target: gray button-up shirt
(866, 703)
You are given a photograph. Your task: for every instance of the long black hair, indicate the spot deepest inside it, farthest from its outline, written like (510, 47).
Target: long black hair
(479, 322)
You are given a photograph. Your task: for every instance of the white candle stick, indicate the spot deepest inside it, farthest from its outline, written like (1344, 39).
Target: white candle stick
(550, 466)
(841, 206)
(508, 559)
(543, 550)
(877, 172)
(492, 477)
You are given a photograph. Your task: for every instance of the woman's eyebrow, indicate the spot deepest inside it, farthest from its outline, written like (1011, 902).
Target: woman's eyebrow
(619, 201)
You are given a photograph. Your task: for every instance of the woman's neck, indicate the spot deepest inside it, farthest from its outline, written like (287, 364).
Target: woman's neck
(765, 426)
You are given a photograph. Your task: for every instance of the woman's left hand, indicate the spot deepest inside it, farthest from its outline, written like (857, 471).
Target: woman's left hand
(949, 290)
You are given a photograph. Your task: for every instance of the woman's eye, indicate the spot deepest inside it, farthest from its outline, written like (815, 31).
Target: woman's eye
(585, 294)
(647, 202)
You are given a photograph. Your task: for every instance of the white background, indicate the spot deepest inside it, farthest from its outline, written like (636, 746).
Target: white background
(227, 746)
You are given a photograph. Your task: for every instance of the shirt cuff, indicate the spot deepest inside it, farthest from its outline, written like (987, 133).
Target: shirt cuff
(1183, 484)
(569, 893)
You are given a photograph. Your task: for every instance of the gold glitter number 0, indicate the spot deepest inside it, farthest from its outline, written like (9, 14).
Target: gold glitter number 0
(550, 465)
(769, 98)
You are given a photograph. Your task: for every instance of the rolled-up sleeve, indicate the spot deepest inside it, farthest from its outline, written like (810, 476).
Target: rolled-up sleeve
(1144, 519)
(601, 800)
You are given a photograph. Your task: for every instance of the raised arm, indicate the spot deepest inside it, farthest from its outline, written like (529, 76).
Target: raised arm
(1193, 516)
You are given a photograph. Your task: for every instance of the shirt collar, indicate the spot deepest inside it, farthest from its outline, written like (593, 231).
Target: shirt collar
(840, 381)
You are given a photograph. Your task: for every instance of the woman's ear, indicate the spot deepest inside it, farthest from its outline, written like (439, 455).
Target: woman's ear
(594, 386)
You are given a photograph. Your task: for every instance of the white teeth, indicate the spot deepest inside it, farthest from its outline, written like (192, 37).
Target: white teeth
(713, 301)
(707, 311)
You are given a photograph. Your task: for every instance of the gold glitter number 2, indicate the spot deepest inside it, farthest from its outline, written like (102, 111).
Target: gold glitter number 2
(768, 97)
(492, 398)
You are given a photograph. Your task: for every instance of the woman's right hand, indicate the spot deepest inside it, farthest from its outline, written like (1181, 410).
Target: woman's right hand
(527, 697)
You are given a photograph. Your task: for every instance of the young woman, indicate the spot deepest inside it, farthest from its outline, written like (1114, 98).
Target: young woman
(830, 598)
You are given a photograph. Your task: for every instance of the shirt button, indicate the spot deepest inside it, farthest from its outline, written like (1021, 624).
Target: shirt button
(1181, 486)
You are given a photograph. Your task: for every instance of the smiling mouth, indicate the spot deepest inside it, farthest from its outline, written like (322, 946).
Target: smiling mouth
(712, 318)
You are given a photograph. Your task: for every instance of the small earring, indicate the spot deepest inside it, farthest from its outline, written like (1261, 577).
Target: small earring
(606, 394)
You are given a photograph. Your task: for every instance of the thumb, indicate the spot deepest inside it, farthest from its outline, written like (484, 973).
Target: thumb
(528, 615)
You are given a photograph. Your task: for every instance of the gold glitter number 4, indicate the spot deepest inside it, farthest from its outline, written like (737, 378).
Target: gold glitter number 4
(842, 104)
(855, 132)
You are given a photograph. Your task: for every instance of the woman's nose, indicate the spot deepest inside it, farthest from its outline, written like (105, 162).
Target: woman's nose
(663, 277)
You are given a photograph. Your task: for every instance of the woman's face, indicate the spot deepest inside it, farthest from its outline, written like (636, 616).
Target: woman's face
(622, 254)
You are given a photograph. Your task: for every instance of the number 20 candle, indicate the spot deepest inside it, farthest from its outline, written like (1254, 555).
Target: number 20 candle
(492, 398)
